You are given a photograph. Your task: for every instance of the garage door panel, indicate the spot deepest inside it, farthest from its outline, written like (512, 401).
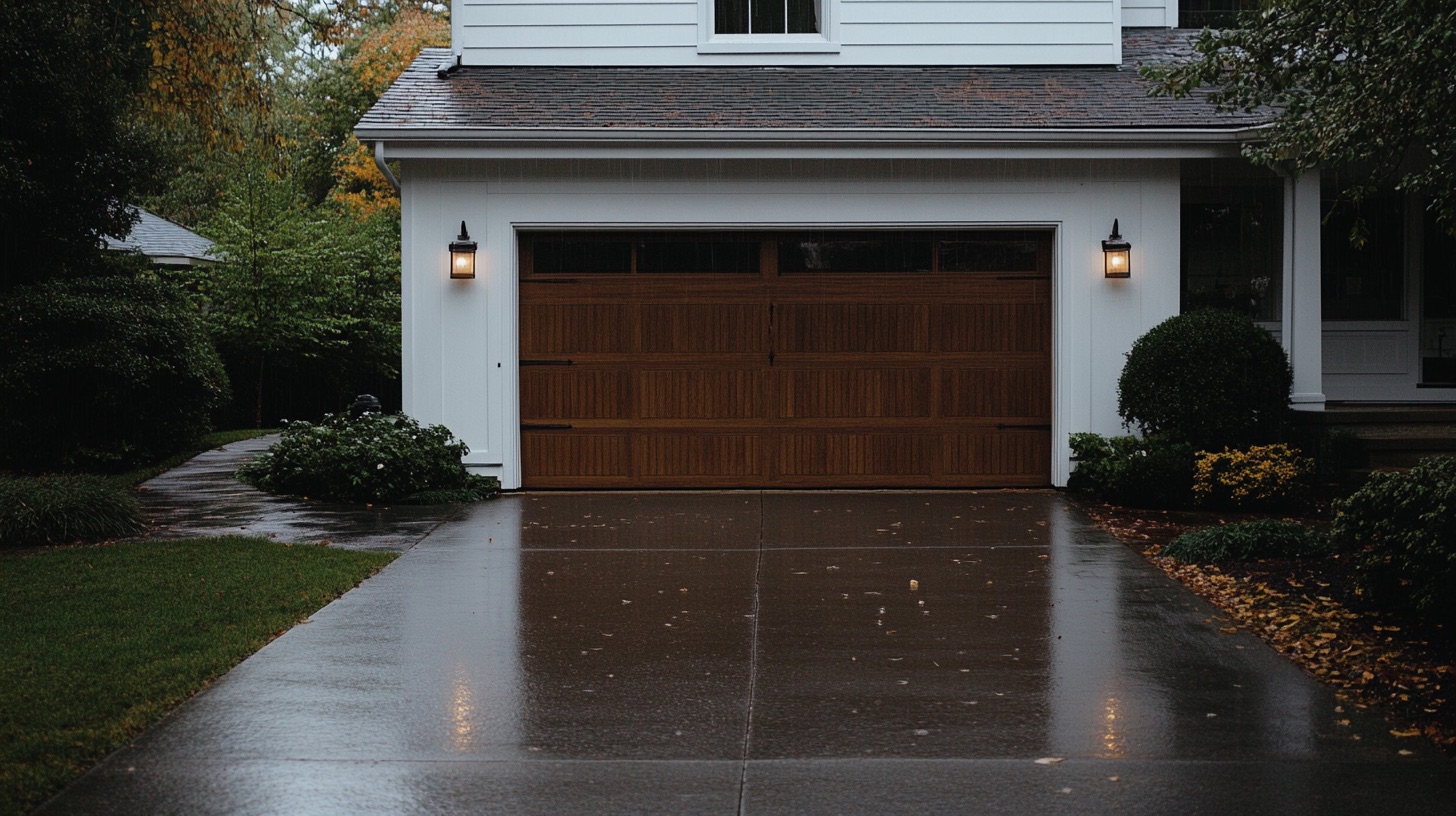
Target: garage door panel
(887, 456)
(810, 393)
(716, 393)
(704, 328)
(567, 392)
(576, 457)
(996, 392)
(851, 327)
(665, 457)
(1003, 327)
(565, 328)
(999, 456)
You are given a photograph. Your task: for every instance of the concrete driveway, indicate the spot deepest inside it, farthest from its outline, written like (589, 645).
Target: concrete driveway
(767, 653)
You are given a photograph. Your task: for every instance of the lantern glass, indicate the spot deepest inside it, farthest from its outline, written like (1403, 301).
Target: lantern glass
(462, 263)
(1118, 263)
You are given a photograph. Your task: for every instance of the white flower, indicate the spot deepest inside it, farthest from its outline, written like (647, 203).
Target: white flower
(379, 466)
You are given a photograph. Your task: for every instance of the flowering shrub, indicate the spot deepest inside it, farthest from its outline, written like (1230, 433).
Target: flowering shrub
(1262, 477)
(370, 458)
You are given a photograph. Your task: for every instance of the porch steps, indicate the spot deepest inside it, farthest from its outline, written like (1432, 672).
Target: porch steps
(1390, 437)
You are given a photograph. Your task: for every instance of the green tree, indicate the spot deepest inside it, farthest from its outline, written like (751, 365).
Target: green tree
(1361, 85)
(307, 290)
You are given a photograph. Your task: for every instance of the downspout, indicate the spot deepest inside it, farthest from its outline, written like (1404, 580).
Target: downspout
(383, 167)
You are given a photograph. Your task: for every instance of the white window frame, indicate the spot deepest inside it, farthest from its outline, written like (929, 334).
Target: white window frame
(825, 42)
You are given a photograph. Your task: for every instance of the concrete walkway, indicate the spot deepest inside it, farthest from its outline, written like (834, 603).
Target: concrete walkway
(767, 653)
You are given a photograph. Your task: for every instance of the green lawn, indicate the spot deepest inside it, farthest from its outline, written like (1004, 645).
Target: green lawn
(101, 641)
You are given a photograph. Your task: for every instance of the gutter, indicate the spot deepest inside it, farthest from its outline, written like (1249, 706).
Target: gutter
(383, 167)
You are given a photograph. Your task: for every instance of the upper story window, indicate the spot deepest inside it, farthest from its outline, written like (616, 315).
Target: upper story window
(766, 17)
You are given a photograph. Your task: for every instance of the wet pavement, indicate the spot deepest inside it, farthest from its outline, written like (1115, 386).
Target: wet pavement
(201, 498)
(768, 653)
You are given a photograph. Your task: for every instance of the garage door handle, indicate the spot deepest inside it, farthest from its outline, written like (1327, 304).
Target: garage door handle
(546, 362)
(527, 426)
(1002, 426)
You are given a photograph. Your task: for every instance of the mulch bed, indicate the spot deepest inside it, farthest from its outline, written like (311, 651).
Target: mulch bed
(1312, 610)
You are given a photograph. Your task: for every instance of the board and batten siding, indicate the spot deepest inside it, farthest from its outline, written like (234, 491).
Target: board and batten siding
(1150, 13)
(858, 32)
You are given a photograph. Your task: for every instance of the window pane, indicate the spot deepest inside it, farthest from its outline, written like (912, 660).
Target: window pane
(803, 16)
(668, 255)
(991, 252)
(1212, 13)
(1364, 282)
(1438, 310)
(1232, 238)
(730, 16)
(856, 252)
(768, 17)
(582, 255)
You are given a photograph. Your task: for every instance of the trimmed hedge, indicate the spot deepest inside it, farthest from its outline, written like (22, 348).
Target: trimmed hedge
(63, 509)
(1211, 378)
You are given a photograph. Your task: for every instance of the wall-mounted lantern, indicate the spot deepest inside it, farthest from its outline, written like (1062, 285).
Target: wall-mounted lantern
(1116, 255)
(462, 255)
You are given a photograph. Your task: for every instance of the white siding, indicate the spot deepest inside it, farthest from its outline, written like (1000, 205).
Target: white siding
(857, 32)
(1150, 13)
(461, 337)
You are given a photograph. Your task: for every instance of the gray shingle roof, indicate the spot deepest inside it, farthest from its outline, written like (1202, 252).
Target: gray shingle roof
(804, 98)
(163, 241)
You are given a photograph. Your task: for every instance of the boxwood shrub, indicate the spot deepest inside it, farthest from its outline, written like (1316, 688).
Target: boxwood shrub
(1401, 530)
(1246, 541)
(369, 458)
(65, 508)
(1211, 378)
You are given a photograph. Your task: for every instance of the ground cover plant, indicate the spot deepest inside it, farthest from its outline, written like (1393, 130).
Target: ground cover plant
(1263, 477)
(102, 641)
(64, 508)
(1245, 541)
(368, 458)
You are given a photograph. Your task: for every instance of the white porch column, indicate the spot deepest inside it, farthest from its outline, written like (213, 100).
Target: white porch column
(1302, 333)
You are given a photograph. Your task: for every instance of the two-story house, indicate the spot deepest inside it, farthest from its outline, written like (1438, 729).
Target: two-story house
(841, 243)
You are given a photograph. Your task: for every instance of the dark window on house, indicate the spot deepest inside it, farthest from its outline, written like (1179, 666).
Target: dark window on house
(988, 252)
(766, 17)
(1232, 226)
(581, 254)
(1212, 13)
(1438, 309)
(624, 253)
(1362, 257)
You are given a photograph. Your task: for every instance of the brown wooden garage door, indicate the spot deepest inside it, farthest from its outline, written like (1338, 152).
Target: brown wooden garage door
(809, 359)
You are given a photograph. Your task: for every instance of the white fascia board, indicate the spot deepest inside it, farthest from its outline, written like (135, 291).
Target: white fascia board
(1088, 143)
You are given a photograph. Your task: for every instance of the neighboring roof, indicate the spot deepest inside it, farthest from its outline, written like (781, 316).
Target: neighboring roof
(603, 100)
(163, 241)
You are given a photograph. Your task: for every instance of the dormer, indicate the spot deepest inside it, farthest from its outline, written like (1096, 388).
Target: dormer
(798, 32)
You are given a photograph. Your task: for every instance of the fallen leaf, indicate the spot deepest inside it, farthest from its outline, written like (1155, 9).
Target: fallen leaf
(1050, 760)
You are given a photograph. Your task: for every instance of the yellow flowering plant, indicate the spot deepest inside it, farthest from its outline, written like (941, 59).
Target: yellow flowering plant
(1259, 477)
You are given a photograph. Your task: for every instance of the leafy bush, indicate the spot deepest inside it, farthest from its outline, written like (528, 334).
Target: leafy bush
(1153, 472)
(370, 458)
(1211, 378)
(64, 508)
(1401, 528)
(1262, 477)
(1247, 541)
(103, 373)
